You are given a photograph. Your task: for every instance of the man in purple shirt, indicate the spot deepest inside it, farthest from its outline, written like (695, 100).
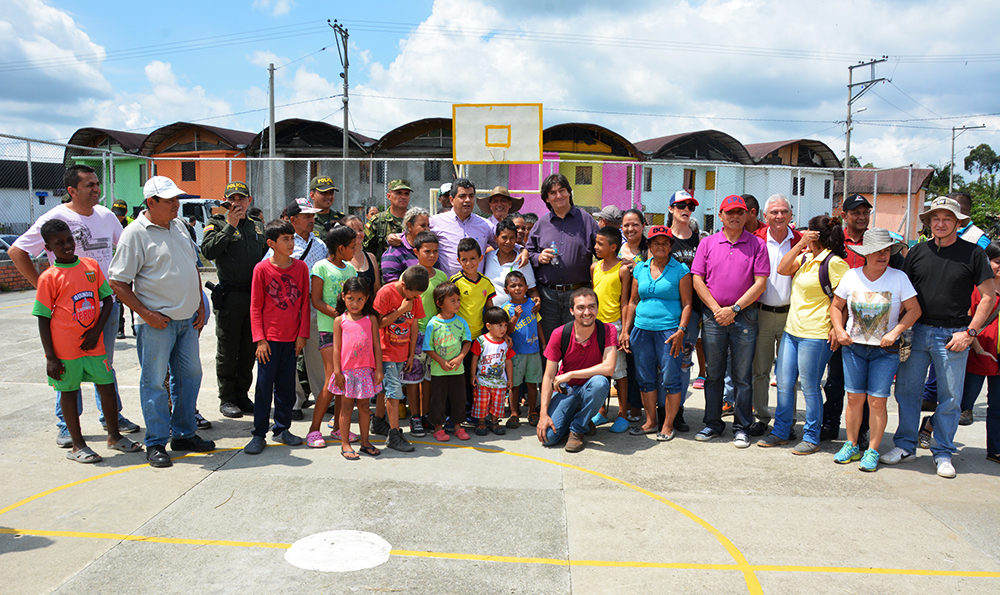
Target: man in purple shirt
(573, 232)
(460, 222)
(729, 271)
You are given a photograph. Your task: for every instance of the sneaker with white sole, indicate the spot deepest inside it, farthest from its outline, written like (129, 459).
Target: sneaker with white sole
(944, 467)
(896, 456)
(741, 440)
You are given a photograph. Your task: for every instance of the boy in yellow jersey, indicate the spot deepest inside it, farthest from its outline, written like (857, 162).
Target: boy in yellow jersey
(613, 286)
(477, 294)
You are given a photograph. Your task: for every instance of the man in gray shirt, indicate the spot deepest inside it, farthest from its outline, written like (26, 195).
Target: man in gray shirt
(156, 255)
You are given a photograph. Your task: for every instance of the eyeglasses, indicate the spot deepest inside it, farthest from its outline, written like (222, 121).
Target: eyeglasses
(684, 206)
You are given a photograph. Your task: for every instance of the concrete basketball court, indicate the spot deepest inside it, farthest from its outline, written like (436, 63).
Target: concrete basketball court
(492, 515)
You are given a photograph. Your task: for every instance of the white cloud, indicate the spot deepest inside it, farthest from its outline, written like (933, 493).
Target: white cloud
(277, 7)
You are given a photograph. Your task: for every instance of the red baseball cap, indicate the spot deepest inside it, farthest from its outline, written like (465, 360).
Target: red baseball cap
(733, 201)
(659, 230)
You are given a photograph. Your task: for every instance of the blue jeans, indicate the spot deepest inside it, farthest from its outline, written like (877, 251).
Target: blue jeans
(974, 384)
(928, 346)
(275, 378)
(572, 412)
(108, 336)
(869, 369)
(805, 359)
(737, 340)
(177, 347)
(654, 366)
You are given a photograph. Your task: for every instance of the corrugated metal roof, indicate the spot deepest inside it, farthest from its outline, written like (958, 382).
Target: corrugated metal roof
(296, 133)
(708, 145)
(237, 139)
(890, 181)
(828, 158)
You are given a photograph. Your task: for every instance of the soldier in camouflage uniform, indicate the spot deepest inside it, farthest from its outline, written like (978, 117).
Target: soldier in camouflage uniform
(236, 243)
(387, 227)
(321, 195)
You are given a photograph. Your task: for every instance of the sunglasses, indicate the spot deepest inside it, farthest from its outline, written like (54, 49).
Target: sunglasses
(684, 206)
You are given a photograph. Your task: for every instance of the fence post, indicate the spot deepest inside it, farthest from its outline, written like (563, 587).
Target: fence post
(909, 198)
(31, 188)
(875, 198)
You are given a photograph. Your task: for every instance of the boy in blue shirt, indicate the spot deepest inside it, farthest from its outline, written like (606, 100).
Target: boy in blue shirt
(527, 342)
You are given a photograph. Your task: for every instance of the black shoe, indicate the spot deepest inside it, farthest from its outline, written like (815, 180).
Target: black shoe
(245, 404)
(792, 434)
(679, 424)
(157, 457)
(230, 409)
(194, 443)
(397, 442)
(863, 442)
(591, 429)
(308, 403)
(203, 424)
(120, 335)
(297, 415)
(828, 433)
(380, 426)
(757, 428)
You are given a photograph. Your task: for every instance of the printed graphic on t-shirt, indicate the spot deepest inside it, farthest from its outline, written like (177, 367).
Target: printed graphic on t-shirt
(871, 314)
(85, 240)
(85, 305)
(284, 293)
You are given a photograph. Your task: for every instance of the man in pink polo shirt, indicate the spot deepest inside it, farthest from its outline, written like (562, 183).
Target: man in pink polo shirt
(729, 271)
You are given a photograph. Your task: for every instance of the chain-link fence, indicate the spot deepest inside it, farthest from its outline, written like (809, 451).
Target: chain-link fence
(31, 174)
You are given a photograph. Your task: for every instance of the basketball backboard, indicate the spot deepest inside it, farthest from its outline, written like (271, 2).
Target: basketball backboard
(496, 133)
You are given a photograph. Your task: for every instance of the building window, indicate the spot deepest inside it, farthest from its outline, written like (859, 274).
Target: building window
(798, 186)
(380, 172)
(432, 171)
(709, 223)
(826, 188)
(313, 169)
(584, 175)
(188, 171)
(647, 179)
(630, 177)
(710, 180)
(154, 171)
(142, 174)
(689, 180)
(364, 172)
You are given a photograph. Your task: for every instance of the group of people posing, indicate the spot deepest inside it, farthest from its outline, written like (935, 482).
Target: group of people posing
(454, 320)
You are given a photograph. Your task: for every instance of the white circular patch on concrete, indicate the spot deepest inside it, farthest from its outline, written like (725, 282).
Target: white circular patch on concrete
(338, 551)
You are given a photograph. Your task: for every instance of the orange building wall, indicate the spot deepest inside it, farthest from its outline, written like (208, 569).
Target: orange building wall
(890, 210)
(211, 177)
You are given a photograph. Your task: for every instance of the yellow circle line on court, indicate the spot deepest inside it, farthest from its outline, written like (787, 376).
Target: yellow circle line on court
(748, 570)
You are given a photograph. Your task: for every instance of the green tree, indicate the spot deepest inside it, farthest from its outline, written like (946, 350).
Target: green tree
(853, 162)
(983, 161)
(938, 185)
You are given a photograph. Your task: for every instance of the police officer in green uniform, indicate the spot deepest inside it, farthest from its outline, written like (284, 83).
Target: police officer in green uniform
(385, 229)
(321, 194)
(236, 243)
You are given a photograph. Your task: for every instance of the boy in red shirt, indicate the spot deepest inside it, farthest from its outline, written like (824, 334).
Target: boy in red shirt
(400, 306)
(73, 296)
(279, 323)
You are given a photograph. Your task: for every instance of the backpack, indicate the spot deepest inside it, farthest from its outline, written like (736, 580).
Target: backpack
(567, 332)
(824, 275)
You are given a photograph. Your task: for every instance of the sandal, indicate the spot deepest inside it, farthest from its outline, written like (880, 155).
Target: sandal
(533, 418)
(513, 422)
(350, 455)
(85, 455)
(125, 445)
(370, 450)
(638, 431)
(315, 440)
(352, 437)
(924, 437)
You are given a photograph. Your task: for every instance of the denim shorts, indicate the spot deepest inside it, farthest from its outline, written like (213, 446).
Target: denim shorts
(325, 340)
(869, 369)
(392, 372)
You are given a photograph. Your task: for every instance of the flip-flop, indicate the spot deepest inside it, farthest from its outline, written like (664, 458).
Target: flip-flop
(85, 455)
(638, 431)
(370, 450)
(125, 445)
(315, 440)
(350, 455)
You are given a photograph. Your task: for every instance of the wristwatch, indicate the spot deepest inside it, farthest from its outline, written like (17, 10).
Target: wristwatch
(972, 332)
(736, 308)
(682, 329)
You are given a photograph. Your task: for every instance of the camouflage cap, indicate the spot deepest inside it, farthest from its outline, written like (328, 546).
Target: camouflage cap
(399, 185)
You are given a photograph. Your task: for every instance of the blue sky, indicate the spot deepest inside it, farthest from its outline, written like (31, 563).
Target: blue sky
(757, 70)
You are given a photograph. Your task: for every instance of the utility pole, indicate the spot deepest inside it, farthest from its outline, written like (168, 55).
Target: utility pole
(851, 98)
(270, 136)
(951, 169)
(342, 51)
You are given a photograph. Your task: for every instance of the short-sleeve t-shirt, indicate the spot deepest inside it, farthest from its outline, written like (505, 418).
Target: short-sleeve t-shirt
(430, 308)
(659, 307)
(445, 338)
(683, 252)
(525, 335)
(873, 306)
(809, 308)
(96, 236)
(71, 294)
(578, 355)
(333, 283)
(944, 279)
(491, 371)
(395, 338)
(498, 275)
(474, 297)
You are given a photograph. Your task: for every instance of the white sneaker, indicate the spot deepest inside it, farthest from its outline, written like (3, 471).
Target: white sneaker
(741, 440)
(897, 455)
(944, 467)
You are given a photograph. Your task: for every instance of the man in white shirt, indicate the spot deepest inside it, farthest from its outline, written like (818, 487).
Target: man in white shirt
(779, 239)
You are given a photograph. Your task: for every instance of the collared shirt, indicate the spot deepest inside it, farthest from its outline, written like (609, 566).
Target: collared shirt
(236, 250)
(309, 251)
(779, 287)
(574, 236)
(854, 259)
(450, 230)
(729, 268)
(161, 263)
(397, 259)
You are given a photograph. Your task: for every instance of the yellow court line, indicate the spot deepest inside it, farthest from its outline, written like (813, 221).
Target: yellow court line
(144, 539)
(16, 306)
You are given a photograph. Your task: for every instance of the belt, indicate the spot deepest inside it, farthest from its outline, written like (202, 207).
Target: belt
(236, 287)
(569, 287)
(775, 309)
